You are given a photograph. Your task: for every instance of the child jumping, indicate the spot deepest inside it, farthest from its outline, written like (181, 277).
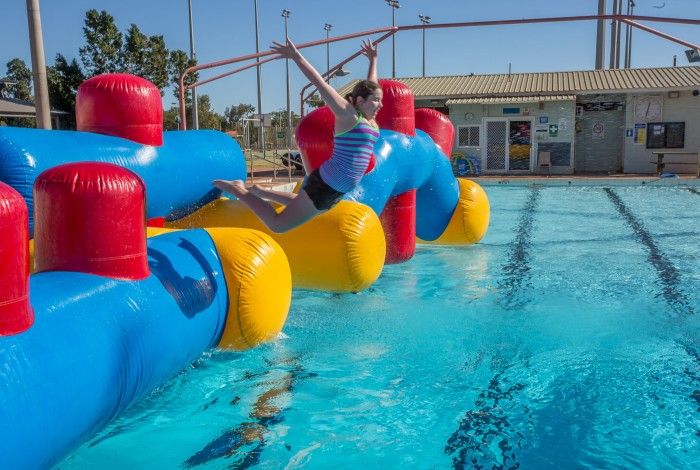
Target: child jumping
(356, 132)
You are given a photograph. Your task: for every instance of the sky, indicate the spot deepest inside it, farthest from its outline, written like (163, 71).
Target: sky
(225, 28)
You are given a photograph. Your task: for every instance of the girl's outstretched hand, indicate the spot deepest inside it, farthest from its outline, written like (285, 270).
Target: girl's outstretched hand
(288, 50)
(369, 49)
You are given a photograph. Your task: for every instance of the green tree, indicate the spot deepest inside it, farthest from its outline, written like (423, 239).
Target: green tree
(208, 119)
(314, 101)
(102, 52)
(234, 115)
(63, 80)
(279, 118)
(156, 69)
(21, 75)
(178, 62)
(134, 54)
(21, 89)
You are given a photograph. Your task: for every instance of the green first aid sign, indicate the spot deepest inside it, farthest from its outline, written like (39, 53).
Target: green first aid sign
(553, 130)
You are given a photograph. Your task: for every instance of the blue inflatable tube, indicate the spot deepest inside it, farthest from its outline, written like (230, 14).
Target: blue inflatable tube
(178, 174)
(404, 163)
(98, 345)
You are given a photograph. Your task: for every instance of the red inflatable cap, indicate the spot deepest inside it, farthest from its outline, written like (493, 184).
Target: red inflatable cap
(16, 314)
(397, 108)
(90, 217)
(121, 105)
(438, 127)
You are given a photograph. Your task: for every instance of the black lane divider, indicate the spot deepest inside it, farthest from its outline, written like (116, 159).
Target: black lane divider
(693, 190)
(517, 270)
(246, 441)
(472, 444)
(668, 274)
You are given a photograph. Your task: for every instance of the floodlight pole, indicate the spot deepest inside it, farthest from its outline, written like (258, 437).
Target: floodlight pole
(261, 128)
(394, 4)
(285, 15)
(425, 20)
(327, 27)
(195, 109)
(41, 87)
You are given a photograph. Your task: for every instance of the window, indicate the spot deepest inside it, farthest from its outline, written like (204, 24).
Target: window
(665, 135)
(468, 136)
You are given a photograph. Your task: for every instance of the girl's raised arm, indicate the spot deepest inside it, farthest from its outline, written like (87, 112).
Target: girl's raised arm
(337, 103)
(369, 49)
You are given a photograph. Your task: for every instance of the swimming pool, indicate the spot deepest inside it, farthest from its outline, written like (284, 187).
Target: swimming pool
(568, 338)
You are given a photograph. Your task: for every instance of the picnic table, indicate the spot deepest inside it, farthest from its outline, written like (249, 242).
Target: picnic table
(661, 154)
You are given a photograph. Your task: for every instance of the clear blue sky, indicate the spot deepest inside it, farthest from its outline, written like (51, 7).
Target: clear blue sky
(225, 28)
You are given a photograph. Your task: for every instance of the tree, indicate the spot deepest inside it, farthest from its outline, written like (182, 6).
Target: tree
(208, 119)
(63, 80)
(234, 115)
(156, 69)
(21, 89)
(134, 54)
(314, 101)
(178, 63)
(21, 75)
(102, 52)
(279, 118)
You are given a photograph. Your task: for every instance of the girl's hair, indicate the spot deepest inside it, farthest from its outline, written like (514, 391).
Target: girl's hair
(363, 88)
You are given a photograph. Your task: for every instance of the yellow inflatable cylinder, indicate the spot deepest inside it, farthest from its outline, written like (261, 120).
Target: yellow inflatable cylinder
(259, 285)
(341, 250)
(470, 219)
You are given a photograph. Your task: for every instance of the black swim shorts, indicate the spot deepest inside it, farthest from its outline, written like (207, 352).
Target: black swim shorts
(323, 196)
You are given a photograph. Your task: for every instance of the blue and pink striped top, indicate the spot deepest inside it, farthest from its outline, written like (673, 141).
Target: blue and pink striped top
(352, 152)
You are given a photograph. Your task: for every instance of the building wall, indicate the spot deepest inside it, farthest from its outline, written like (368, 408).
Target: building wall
(560, 113)
(600, 133)
(685, 108)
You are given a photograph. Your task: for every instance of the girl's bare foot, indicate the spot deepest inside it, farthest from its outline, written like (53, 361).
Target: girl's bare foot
(235, 187)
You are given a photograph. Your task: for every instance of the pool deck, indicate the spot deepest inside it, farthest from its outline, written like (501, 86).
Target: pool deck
(266, 178)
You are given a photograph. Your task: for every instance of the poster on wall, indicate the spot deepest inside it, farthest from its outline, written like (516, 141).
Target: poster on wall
(640, 134)
(598, 130)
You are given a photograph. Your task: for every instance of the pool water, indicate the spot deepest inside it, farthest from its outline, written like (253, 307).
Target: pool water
(568, 338)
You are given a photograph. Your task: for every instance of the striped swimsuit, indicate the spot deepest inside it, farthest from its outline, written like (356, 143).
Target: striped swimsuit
(352, 152)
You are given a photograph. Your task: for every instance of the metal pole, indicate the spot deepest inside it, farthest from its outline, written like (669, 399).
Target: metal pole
(41, 87)
(394, 4)
(628, 38)
(285, 14)
(614, 29)
(195, 111)
(425, 20)
(600, 37)
(327, 27)
(261, 128)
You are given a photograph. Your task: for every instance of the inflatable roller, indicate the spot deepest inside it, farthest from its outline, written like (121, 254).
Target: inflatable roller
(470, 219)
(341, 250)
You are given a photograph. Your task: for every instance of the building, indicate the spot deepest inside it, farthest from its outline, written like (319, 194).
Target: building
(597, 121)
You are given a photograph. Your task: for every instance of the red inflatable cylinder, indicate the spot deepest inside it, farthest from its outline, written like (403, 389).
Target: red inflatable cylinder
(16, 314)
(314, 135)
(438, 127)
(90, 218)
(397, 108)
(121, 105)
(399, 223)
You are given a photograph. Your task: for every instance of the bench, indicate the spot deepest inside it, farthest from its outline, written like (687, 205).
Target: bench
(661, 154)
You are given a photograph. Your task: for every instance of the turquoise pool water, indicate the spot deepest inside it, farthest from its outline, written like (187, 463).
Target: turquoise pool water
(569, 338)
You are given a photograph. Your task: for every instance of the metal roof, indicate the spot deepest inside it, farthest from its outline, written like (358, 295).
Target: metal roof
(552, 83)
(12, 107)
(511, 99)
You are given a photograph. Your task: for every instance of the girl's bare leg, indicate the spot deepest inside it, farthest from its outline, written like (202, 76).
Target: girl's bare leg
(299, 210)
(280, 197)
